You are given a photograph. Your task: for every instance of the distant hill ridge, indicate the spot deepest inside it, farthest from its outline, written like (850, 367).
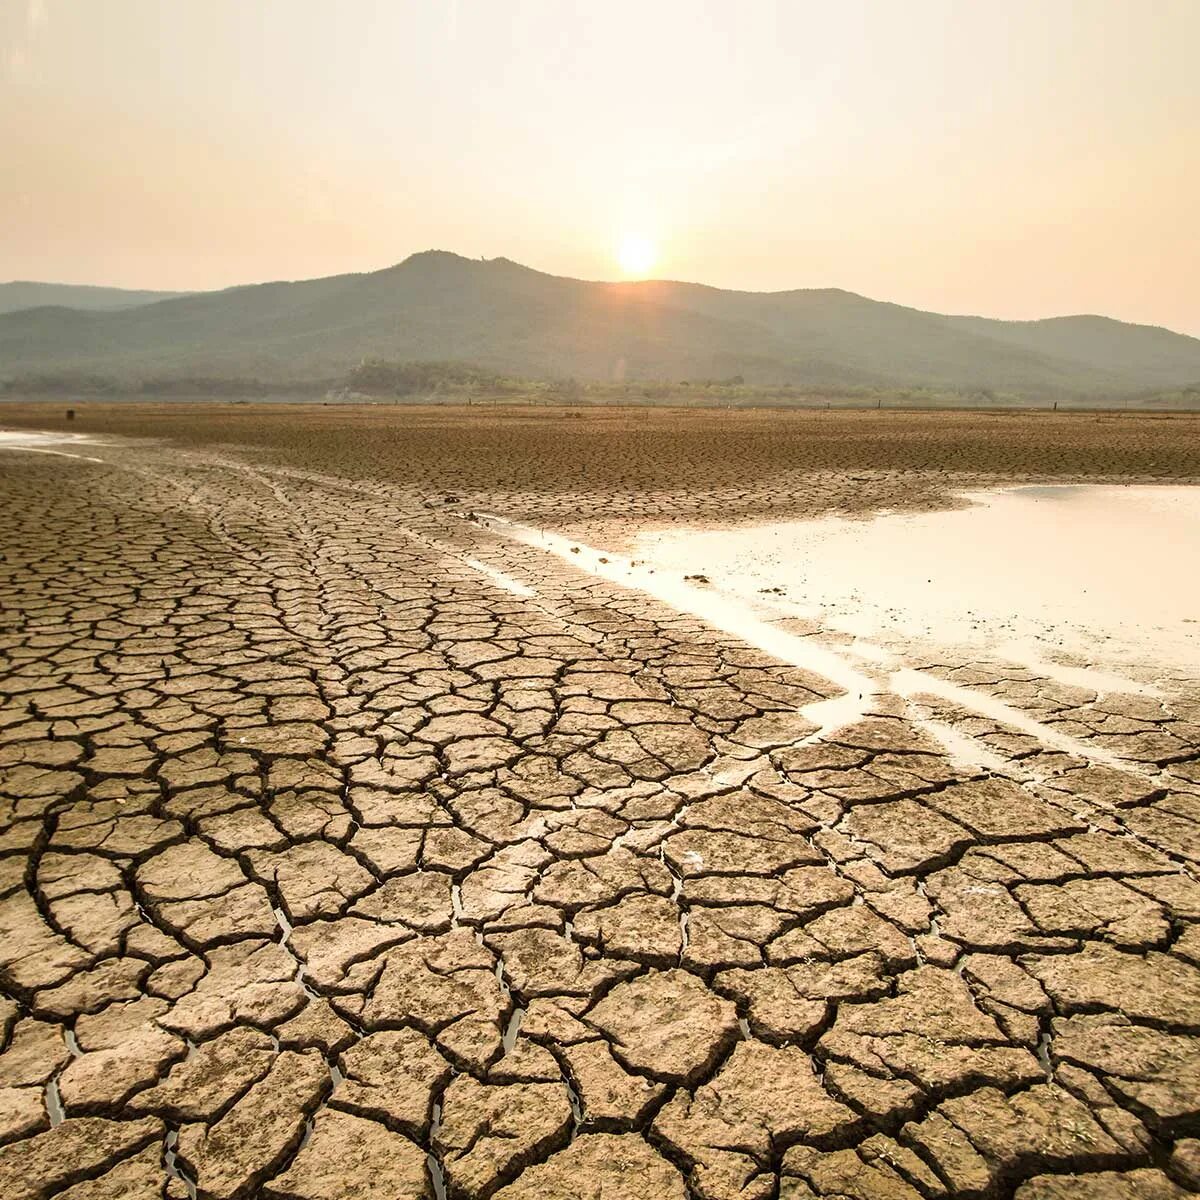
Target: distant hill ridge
(22, 293)
(508, 318)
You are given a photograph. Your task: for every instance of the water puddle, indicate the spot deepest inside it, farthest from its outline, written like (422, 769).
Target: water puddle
(37, 441)
(499, 578)
(1106, 576)
(914, 684)
(437, 1176)
(727, 612)
(54, 1106)
(172, 1167)
(963, 750)
(1091, 587)
(513, 1028)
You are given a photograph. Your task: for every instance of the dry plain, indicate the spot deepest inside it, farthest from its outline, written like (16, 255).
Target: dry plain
(355, 847)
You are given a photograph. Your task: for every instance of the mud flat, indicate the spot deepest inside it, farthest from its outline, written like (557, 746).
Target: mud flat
(385, 811)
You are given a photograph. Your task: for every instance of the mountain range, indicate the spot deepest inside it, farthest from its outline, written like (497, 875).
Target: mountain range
(510, 319)
(25, 294)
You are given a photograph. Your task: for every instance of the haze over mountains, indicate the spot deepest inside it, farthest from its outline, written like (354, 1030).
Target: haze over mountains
(25, 294)
(510, 319)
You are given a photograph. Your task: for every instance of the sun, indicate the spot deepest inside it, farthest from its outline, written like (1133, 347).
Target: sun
(637, 255)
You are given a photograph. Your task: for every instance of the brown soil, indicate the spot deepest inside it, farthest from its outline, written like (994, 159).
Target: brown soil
(721, 462)
(555, 882)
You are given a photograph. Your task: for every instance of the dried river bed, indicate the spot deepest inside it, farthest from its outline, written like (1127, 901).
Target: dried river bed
(357, 846)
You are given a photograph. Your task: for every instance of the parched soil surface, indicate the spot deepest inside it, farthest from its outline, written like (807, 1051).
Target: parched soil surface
(353, 850)
(648, 465)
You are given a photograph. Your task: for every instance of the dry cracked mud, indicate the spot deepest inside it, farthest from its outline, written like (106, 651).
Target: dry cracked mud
(352, 849)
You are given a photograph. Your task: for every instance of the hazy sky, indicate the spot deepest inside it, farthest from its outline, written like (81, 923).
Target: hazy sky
(1013, 158)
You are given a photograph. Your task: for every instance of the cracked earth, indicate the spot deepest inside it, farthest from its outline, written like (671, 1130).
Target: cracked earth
(353, 847)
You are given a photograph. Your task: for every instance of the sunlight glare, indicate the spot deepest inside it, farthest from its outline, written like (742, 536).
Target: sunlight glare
(637, 255)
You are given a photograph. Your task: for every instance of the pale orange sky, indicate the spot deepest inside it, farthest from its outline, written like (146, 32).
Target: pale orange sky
(1014, 158)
